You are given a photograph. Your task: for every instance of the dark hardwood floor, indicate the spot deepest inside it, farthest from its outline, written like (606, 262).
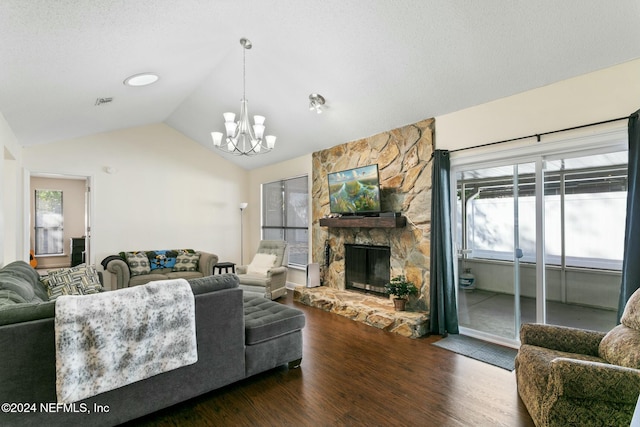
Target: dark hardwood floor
(356, 375)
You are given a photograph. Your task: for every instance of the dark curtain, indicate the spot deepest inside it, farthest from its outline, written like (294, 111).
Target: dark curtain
(443, 313)
(631, 258)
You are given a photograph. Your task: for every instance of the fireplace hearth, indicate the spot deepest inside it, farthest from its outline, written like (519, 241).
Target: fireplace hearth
(367, 268)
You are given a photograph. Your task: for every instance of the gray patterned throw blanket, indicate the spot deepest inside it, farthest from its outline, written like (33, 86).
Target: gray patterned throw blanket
(111, 339)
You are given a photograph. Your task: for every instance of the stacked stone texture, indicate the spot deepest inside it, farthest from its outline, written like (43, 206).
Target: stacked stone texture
(403, 156)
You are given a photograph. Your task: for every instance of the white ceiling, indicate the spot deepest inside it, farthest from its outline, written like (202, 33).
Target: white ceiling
(380, 64)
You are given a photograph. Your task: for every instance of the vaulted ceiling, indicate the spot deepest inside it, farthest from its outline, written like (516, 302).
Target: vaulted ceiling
(380, 64)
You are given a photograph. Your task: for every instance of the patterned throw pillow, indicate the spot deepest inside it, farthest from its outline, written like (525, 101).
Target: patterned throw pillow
(162, 259)
(187, 261)
(80, 280)
(631, 314)
(138, 263)
(620, 347)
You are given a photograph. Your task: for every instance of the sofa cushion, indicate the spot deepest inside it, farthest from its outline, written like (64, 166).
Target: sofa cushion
(261, 263)
(256, 280)
(17, 313)
(265, 319)
(20, 287)
(9, 297)
(141, 279)
(621, 346)
(631, 315)
(213, 283)
(79, 280)
(187, 261)
(183, 275)
(21, 278)
(138, 263)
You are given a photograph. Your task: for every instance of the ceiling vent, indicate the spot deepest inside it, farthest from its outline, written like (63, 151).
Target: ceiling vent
(102, 101)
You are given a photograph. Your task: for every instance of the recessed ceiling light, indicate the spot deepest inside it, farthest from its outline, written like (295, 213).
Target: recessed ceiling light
(142, 79)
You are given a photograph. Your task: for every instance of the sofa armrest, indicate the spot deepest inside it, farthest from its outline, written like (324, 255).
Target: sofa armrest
(241, 269)
(121, 271)
(206, 263)
(561, 338)
(580, 379)
(277, 277)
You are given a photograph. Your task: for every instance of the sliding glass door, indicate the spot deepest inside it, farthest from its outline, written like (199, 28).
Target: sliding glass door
(540, 239)
(585, 200)
(496, 223)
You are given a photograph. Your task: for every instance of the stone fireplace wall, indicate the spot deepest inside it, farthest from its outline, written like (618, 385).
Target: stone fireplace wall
(403, 156)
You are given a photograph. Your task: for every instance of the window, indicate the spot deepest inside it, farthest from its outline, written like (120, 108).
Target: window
(585, 208)
(48, 222)
(285, 216)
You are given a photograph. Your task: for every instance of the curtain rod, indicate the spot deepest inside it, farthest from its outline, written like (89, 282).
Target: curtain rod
(538, 135)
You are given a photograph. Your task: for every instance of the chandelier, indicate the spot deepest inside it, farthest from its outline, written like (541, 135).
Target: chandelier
(243, 139)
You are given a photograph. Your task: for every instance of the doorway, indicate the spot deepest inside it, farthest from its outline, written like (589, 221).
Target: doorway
(59, 229)
(542, 238)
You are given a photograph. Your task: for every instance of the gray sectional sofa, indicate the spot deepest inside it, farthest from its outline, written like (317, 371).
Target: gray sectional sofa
(236, 337)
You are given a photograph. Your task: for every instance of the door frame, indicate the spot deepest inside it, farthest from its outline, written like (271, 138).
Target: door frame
(583, 142)
(88, 208)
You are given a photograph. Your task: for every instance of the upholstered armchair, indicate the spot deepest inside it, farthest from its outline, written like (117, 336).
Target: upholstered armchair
(568, 376)
(267, 272)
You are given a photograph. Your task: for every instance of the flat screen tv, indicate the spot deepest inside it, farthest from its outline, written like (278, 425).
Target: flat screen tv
(355, 191)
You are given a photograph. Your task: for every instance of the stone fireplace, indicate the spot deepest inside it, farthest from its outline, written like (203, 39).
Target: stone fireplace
(403, 157)
(366, 268)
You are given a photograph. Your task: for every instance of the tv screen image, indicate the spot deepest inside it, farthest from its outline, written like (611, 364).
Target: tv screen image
(355, 190)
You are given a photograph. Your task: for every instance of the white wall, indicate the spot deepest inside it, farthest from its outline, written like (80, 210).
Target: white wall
(12, 214)
(165, 190)
(288, 169)
(602, 95)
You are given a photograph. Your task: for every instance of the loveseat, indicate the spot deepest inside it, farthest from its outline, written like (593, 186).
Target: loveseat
(140, 267)
(569, 376)
(236, 337)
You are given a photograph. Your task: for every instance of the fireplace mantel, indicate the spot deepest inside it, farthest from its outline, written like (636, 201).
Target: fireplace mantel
(366, 222)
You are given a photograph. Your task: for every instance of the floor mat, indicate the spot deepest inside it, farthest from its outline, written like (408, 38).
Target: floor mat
(497, 355)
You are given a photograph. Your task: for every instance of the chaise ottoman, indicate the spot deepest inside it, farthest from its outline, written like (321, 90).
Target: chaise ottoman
(273, 334)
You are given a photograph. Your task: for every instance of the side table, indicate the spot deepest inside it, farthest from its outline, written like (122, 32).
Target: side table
(226, 265)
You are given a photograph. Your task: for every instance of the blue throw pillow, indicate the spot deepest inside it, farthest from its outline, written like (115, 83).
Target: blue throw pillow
(162, 259)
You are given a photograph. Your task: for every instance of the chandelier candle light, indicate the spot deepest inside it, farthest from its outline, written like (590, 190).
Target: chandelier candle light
(243, 139)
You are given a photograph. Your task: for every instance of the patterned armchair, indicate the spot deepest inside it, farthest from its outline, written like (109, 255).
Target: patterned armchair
(568, 376)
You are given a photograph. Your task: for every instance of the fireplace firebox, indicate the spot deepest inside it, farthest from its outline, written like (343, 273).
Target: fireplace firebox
(367, 268)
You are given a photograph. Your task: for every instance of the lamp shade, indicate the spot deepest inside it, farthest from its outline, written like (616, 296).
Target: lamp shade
(231, 128)
(258, 130)
(217, 138)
